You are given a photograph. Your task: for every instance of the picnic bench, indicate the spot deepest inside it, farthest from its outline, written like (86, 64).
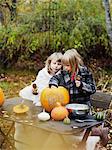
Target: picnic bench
(101, 99)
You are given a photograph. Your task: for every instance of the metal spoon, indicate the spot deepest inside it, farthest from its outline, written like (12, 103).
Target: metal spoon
(85, 120)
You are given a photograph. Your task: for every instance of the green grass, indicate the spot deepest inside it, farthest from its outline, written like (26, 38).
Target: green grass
(4, 85)
(16, 80)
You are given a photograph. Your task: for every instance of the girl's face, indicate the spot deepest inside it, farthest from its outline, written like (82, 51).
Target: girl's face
(55, 66)
(67, 67)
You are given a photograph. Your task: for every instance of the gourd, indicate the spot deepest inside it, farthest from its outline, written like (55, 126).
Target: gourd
(49, 97)
(66, 120)
(1, 97)
(99, 116)
(43, 116)
(59, 112)
(20, 108)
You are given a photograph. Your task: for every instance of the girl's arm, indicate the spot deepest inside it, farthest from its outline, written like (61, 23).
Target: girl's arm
(87, 82)
(42, 79)
(55, 80)
(38, 78)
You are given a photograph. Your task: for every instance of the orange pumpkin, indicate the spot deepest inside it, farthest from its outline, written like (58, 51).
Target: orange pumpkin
(1, 97)
(49, 97)
(59, 112)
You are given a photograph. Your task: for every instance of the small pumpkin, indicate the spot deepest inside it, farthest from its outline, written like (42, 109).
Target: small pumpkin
(43, 116)
(66, 120)
(1, 96)
(20, 108)
(49, 97)
(59, 112)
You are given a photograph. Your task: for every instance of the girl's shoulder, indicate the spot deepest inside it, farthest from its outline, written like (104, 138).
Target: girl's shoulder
(84, 69)
(61, 73)
(44, 72)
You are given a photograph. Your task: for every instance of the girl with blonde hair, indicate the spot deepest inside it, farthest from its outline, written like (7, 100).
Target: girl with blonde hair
(52, 66)
(75, 77)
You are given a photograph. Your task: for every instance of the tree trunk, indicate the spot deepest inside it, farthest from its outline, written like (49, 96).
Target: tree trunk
(13, 10)
(1, 18)
(108, 20)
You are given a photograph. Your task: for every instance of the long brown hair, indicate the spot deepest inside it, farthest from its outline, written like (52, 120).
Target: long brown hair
(73, 58)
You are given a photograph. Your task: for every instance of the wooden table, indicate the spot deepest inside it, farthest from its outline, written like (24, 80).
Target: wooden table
(31, 133)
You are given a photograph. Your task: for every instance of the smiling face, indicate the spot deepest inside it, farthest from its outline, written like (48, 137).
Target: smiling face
(55, 66)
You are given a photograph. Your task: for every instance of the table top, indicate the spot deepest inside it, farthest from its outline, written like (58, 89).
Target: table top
(30, 118)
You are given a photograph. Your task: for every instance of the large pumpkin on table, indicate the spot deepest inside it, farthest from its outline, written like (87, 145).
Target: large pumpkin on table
(1, 97)
(50, 96)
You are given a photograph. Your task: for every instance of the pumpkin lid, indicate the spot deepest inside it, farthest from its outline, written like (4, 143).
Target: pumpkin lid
(20, 108)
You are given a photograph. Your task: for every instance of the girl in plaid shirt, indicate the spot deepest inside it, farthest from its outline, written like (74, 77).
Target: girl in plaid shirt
(75, 77)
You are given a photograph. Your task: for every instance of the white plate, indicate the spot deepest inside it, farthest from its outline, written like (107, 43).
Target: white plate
(77, 106)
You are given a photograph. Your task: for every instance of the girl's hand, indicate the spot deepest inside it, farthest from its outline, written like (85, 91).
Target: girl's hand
(78, 83)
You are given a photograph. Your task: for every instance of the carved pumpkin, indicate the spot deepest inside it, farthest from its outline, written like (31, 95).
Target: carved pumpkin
(1, 97)
(50, 96)
(59, 112)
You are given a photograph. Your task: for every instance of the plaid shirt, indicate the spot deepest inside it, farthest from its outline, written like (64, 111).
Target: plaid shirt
(77, 94)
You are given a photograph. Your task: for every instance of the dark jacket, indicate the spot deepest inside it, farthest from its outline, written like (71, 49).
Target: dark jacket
(77, 94)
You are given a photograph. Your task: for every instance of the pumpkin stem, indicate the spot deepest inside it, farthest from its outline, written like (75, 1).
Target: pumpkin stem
(66, 116)
(58, 104)
(43, 110)
(22, 105)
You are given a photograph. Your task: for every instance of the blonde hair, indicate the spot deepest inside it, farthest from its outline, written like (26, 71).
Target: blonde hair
(57, 56)
(73, 58)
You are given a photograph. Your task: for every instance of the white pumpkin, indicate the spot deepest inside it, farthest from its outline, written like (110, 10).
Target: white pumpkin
(43, 116)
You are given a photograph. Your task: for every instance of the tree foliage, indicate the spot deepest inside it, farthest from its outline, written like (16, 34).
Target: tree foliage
(44, 27)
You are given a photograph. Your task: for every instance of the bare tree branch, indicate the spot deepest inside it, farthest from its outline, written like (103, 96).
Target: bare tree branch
(108, 19)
